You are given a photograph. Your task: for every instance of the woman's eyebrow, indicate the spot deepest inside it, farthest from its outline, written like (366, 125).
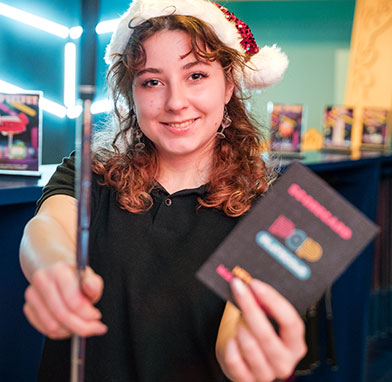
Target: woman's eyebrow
(187, 66)
(148, 70)
(190, 65)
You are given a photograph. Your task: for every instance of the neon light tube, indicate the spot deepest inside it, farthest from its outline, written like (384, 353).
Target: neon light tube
(102, 106)
(53, 107)
(75, 32)
(34, 21)
(6, 87)
(69, 74)
(74, 111)
(47, 105)
(107, 26)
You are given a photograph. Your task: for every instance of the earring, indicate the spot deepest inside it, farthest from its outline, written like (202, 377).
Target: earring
(226, 122)
(138, 133)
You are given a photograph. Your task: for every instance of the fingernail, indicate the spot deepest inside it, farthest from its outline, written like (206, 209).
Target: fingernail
(238, 286)
(258, 286)
(230, 347)
(92, 283)
(102, 329)
(98, 314)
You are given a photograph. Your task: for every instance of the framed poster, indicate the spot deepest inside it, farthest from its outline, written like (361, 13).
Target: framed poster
(337, 126)
(20, 133)
(375, 129)
(286, 125)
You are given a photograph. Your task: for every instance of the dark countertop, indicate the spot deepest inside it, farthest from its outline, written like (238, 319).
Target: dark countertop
(16, 189)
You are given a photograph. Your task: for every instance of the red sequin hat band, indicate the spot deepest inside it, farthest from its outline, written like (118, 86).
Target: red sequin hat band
(248, 42)
(265, 67)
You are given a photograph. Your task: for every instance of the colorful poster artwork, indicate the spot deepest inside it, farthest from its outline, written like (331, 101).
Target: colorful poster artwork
(374, 127)
(286, 124)
(338, 122)
(20, 131)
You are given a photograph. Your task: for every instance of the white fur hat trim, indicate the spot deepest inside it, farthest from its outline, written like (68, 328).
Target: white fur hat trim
(265, 68)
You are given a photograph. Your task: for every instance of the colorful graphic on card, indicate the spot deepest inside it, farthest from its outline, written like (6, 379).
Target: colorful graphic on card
(283, 255)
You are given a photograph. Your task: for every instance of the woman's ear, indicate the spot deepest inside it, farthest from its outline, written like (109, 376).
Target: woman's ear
(229, 90)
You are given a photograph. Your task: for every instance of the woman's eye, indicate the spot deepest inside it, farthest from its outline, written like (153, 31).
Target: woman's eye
(197, 76)
(150, 83)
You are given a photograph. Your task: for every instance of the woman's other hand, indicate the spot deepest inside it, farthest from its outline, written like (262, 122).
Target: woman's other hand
(254, 351)
(58, 307)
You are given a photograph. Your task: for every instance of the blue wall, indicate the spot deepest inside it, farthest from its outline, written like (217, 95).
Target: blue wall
(312, 33)
(33, 59)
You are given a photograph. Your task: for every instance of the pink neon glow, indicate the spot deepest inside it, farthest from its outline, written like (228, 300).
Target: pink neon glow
(320, 211)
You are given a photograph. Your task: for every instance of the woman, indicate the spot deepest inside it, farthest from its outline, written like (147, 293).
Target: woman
(184, 167)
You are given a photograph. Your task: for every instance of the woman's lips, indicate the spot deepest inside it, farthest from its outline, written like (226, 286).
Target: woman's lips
(180, 127)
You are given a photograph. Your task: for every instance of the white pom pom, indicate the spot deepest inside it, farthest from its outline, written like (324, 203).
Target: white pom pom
(265, 68)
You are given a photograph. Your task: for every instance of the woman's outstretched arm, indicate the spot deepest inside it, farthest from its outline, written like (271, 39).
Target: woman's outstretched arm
(55, 303)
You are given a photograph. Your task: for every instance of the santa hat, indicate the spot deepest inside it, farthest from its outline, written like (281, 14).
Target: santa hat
(265, 67)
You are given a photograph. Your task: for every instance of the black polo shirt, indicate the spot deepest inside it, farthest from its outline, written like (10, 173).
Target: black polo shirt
(162, 321)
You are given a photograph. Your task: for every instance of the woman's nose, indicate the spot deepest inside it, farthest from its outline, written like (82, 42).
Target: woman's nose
(177, 97)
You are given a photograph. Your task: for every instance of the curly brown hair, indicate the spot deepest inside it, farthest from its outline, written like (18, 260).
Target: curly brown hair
(238, 175)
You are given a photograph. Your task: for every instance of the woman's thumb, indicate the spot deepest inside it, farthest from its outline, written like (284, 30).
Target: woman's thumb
(92, 285)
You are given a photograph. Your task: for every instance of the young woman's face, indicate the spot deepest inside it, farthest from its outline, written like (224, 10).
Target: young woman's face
(179, 100)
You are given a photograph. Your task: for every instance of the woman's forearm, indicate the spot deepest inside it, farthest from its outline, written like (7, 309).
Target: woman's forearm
(43, 244)
(50, 237)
